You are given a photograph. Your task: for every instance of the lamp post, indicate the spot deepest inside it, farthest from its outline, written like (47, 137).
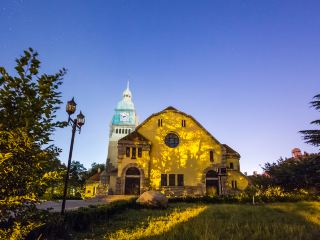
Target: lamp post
(76, 123)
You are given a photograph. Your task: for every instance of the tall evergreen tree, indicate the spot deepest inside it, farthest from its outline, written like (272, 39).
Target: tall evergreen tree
(28, 104)
(313, 136)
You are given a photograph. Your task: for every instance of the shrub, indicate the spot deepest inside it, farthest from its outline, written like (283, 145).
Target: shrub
(69, 197)
(268, 195)
(82, 219)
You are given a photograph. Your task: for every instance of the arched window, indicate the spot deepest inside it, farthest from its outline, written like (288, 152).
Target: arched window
(231, 165)
(117, 130)
(133, 171)
(211, 156)
(211, 174)
(234, 184)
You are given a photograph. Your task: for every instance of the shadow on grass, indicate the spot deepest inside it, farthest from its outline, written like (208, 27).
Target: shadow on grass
(217, 221)
(223, 221)
(130, 221)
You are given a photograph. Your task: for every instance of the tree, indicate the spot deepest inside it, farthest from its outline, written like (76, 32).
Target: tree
(55, 186)
(76, 178)
(295, 173)
(313, 136)
(95, 168)
(28, 104)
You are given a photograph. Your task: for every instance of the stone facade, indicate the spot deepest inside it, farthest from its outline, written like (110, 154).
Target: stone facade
(171, 152)
(124, 121)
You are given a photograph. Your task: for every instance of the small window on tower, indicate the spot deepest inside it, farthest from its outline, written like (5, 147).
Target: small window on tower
(129, 130)
(127, 152)
(139, 152)
(211, 156)
(159, 122)
(134, 151)
(231, 165)
(122, 130)
(183, 123)
(126, 131)
(117, 130)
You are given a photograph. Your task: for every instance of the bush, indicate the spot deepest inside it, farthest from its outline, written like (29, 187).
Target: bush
(69, 197)
(82, 219)
(52, 230)
(268, 195)
(277, 194)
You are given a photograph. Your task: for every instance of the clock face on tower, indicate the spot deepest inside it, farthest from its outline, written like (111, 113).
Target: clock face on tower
(124, 117)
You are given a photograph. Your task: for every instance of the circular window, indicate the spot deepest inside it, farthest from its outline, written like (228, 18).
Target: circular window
(172, 140)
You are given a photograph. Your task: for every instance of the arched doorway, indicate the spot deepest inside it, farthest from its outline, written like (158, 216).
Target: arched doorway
(132, 181)
(212, 183)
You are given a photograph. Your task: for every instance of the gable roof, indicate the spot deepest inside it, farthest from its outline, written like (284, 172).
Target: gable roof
(230, 151)
(170, 108)
(94, 178)
(134, 136)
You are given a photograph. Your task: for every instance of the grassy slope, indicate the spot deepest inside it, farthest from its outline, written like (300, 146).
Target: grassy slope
(219, 221)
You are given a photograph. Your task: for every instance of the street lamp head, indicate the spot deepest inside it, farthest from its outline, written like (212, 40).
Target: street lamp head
(71, 107)
(80, 119)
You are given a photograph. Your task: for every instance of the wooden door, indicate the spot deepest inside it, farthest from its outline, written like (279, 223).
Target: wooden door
(132, 186)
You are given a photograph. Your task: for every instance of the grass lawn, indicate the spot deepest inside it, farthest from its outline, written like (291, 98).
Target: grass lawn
(213, 221)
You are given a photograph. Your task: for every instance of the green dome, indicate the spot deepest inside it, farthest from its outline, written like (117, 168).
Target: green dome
(125, 104)
(125, 111)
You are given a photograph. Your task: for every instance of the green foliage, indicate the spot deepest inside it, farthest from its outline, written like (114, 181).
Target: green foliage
(88, 218)
(313, 136)
(80, 220)
(53, 229)
(30, 100)
(218, 221)
(261, 181)
(28, 164)
(77, 178)
(268, 195)
(94, 169)
(85, 217)
(295, 173)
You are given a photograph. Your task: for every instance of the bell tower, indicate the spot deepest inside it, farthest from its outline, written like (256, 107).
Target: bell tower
(124, 121)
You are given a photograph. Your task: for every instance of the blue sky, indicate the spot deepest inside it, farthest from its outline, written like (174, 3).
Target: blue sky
(246, 70)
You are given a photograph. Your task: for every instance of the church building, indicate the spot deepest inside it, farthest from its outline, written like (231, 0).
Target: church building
(170, 152)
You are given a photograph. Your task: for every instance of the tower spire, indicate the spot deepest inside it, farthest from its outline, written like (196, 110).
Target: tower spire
(127, 93)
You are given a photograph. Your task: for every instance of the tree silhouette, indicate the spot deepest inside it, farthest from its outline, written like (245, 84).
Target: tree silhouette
(313, 136)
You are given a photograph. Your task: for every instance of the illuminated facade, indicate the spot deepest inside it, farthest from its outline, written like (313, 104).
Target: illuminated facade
(171, 152)
(124, 121)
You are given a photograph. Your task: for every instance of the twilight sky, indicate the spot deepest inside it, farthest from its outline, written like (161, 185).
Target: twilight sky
(246, 70)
